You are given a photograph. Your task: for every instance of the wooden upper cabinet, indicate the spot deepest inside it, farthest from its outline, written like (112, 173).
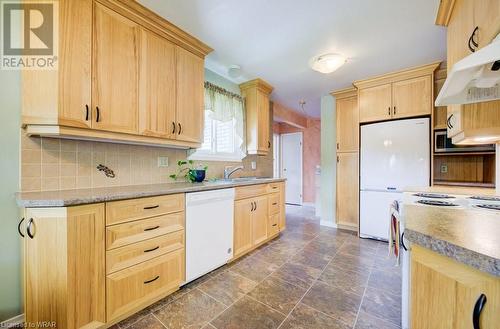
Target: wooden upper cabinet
(75, 64)
(116, 72)
(486, 14)
(402, 94)
(242, 227)
(157, 84)
(347, 189)
(412, 97)
(347, 120)
(190, 96)
(256, 93)
(375, 103)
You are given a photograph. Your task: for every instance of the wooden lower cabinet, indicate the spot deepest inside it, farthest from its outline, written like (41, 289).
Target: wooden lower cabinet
(64, 267)
(136, 287)
(444, 293)
(242, 227)
(347, 190)
(259, 215)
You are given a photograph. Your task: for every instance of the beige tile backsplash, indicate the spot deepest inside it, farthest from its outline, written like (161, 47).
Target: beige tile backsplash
(61, 164)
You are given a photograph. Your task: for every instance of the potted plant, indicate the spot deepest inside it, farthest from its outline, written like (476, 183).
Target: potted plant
(187, 170)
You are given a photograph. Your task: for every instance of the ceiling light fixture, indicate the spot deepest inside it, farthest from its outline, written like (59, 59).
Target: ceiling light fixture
(328, 63)
(234, 71)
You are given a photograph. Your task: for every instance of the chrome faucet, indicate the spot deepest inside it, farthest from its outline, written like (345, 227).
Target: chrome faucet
(228, 171)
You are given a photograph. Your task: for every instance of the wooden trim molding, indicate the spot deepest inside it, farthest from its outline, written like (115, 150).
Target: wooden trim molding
(398, 75)
(345, 93)
(104, 136)
(444, 12)
(257, 83)
(154, 22)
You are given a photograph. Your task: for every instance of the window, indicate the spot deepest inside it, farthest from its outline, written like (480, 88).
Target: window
(223, 135)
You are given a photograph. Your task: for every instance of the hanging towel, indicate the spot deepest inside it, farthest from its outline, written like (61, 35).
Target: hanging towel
(394, 234)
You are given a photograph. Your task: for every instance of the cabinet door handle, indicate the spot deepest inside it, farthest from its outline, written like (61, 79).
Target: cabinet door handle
(268, 144)
(28, 229)
(152, 228)
(19, 227)
(98, 114)
(255, 206)
(448, 122)
(275, 203)
(252, 207)
(394, 110)
(471, 40)
(338, 159)
(152, 280)
(180, 129)
(338, 146)
(173, 128)
(151, 207)
(87, 112)
(478, 308)
(389, 110)
(152, 249)
(275, 225)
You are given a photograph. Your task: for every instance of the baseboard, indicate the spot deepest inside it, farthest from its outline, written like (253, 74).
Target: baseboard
(13, 322)
(327, 224)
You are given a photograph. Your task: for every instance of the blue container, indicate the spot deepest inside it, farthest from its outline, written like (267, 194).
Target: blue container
(198, 175)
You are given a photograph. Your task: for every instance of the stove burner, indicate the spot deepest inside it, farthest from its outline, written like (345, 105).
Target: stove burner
(437, 203)
(489, 206)
(434, 196)
(485, 198)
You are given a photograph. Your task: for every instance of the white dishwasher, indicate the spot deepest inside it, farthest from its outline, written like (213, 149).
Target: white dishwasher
(209, 231)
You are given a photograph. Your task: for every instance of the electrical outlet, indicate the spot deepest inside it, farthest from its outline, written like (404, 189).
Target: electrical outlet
(254, 165)
(444, 169)
(162, 161)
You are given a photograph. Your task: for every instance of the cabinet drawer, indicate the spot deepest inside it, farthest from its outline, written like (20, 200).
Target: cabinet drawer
(274, 204)
(126, 256)
(130, 210)
(251, 191)
(127, 233)
(274, 187)
(139, 285)
(273, 225)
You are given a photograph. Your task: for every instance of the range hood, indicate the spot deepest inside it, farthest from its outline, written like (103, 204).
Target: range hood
(474, 79)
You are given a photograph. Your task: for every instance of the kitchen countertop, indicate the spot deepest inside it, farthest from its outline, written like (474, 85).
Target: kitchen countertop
(469, 236)
(85, 196)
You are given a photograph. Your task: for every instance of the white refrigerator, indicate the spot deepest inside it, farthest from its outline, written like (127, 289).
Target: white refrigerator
(393, 155)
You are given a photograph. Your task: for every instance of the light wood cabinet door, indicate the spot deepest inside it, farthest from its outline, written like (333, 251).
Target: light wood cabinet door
(445, 292)
(412, 97)
(264, 142)
(242, 227)
(64, 266)
(260, 219)
(486, 14)
(347, 125)
(375, 103)
(116, 72)
(157, 86)
(347, 189)
(190, 96)
(75, 48)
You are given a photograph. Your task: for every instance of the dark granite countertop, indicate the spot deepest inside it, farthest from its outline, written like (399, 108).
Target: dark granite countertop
(85, 196)
(469, 236)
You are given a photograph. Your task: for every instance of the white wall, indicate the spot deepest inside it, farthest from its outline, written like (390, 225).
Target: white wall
(328, 161)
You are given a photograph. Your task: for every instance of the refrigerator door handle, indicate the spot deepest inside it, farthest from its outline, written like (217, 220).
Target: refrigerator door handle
(390, 188)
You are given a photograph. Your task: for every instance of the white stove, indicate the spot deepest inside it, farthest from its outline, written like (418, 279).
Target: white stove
(453, 201)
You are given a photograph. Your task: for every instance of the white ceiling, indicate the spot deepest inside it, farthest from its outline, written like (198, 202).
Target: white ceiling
(275, 39)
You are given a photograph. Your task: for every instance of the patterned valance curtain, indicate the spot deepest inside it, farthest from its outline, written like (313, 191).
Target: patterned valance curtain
(226, 106)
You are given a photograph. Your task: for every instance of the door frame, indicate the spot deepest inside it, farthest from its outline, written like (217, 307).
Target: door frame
(301, 155)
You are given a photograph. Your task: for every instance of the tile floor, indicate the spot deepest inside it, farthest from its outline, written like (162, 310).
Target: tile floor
(310, 277)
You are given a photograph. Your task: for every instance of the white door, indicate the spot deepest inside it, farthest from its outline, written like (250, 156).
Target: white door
(291, 164)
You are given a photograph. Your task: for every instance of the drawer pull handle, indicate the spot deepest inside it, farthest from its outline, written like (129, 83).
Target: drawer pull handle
(153, 249)
(275, 203)
(149, 281)
(151, 228)
(152, 207)
(275, 187)
(275, 224)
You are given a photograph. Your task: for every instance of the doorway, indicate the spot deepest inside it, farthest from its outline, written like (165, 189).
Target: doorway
(291, 166)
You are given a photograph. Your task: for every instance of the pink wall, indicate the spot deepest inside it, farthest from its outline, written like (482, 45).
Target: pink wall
(311, 154)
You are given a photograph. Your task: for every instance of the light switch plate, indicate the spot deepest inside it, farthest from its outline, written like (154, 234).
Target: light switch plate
(254, 165)
(162, 161)
(444, 169)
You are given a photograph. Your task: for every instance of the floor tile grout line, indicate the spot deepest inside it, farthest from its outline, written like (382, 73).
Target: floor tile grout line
(163, 324)
(312, 285)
